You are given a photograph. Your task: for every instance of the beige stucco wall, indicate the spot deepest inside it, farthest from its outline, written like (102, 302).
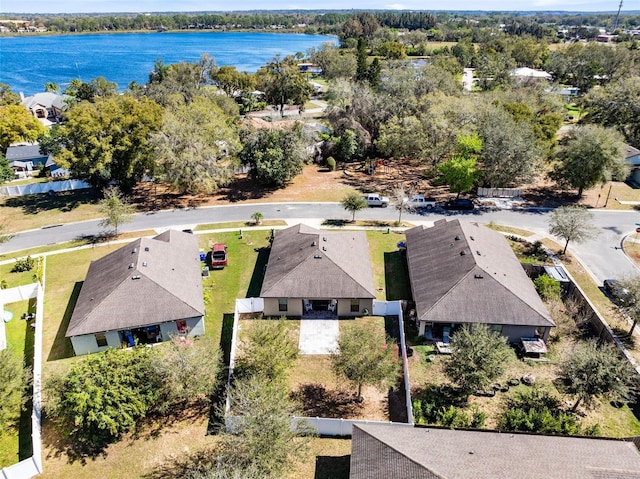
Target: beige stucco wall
(295, 306)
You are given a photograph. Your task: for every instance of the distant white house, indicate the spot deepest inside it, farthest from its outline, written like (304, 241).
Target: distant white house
(525, 73)
(632, 157)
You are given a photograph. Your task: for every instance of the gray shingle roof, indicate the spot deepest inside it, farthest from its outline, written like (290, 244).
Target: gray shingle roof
(307, 263)
(168, 286)
(25, 152)
(466, 273)
(381, 451)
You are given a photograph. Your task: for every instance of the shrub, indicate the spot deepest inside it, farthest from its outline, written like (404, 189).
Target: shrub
(23, 264)
(547, 287)
(331, 163)
(453, 417)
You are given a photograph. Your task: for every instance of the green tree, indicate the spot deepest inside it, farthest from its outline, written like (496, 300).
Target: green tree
(52, 87)
(353, 202)
(572, 223)
(511, 154)
(108, 140)
(6, 172)
(103, 396)
(262, 441)
(616, 106)
(187, 370)
(257, 217)
(269, 351)
(7, 97)
(116, 208)
(589, 155)
(460, 172)
(629, 299)
(14, 379)
(196, 148)
(361, 60)
(347, 147)
(591, 372)
(335, 62)
(275, 156)
(478, 358)
(365, 358)
(17, 124)
(284, 84)
(231, 81)
(547, 287)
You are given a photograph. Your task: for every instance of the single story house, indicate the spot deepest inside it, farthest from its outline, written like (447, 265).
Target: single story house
(144, 292)
(380, 451)
(464, 273)
(632, 158)
(26, 158)
(312, 272)
(528, 74)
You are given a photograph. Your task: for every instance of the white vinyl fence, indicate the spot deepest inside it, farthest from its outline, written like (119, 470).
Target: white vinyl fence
(499, 193)
(326, 426)
(39, 188)
(31, 466)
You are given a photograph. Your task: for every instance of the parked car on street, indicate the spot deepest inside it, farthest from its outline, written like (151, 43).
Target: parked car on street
(374, 199)
(459, 204)
(419, 202)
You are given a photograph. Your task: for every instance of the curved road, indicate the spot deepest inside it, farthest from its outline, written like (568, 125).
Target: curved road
(601, 255)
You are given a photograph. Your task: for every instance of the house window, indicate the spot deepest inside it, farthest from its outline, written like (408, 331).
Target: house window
(101, 339)
(355, 305)
(496, 328)
(282, 304)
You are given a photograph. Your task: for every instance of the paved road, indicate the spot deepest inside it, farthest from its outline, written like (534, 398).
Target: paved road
(601, 255)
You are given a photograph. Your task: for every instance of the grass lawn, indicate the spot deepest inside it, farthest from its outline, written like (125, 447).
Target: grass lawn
(509, 229)
(238, 224)
(390, 274)
(15, 440)
(35, 211)
(15, 279)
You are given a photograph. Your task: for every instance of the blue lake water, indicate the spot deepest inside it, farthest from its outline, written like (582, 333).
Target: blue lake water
(27, 63)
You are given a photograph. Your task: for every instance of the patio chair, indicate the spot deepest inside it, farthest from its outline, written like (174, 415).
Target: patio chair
(308, 307)
(332, 306)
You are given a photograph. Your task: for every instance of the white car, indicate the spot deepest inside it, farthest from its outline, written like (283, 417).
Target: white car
(419, 201)
(374, 199)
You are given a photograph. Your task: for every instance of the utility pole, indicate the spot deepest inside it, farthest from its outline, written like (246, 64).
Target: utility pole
(615, 24)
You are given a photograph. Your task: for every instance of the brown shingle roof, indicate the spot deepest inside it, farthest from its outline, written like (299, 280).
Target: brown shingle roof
(148, 281)
(466, 273)
(307, 263)
(380, 451)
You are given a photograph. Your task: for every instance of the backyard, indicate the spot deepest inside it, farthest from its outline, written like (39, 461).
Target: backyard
(186, 435)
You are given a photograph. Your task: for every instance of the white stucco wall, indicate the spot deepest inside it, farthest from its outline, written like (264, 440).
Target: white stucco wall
(87, 344)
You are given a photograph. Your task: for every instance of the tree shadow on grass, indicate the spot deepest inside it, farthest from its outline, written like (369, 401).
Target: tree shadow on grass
(189, 465)
(318, 401)
(332, 467)
(61, 347)
(255, 285)
(625, 338)
(396, 276)
(64, 201)
(25, 444)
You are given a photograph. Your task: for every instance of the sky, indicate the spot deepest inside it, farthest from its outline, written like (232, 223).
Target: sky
(144, 6)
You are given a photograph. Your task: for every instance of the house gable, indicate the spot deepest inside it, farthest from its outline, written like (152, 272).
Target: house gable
(466, 273)
(148, 281)
(382, 451)
(307, 263)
